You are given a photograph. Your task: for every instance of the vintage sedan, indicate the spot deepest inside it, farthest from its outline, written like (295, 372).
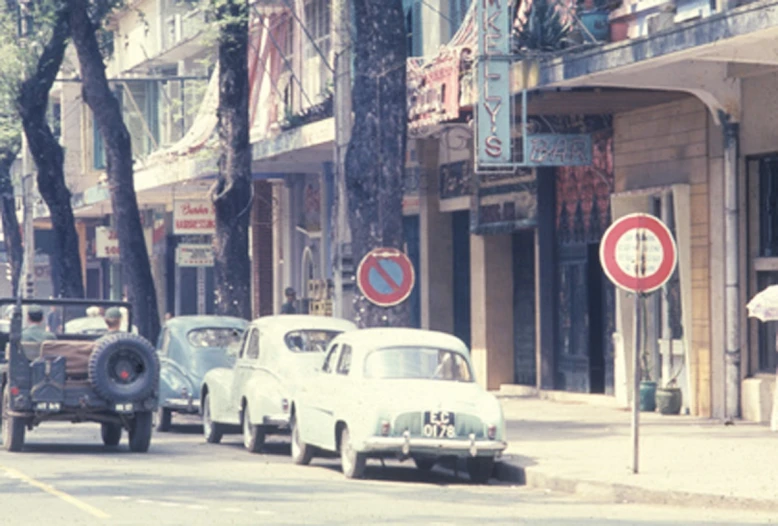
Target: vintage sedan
(403, 393)
(189, 347)
(278, 354)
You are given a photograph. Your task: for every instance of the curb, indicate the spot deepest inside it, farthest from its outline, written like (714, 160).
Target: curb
(506, 471)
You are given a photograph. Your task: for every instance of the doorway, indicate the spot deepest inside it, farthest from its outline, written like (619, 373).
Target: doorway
(460, 241)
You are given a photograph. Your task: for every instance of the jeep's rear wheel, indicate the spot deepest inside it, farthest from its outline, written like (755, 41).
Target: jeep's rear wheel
(111, 433)
(140, 432)
(13, 426)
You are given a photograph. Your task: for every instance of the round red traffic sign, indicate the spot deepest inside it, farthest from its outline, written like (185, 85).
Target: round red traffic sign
(638, 253)
(385, 276)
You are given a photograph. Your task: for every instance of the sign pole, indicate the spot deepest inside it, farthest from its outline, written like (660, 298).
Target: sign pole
(637, 329)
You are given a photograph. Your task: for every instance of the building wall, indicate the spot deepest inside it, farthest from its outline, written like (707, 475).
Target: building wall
(665, 145)
(137, 37)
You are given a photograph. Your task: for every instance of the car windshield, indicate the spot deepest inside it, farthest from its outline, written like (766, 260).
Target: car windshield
(309, 340)
(427, 363)
(214, 336)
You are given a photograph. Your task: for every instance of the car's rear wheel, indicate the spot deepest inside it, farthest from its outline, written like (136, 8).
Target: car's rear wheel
(302, 453)
(253, 436)
(140, 432)
(164, 419)
(12, 426)
(480, 469)
(424, 464)
(353, 462)
(212, 431)
(111, 433)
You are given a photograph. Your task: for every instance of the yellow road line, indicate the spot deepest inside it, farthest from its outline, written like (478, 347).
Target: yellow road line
(51, 490)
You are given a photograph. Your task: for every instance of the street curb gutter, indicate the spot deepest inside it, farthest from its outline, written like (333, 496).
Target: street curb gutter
(506, 471)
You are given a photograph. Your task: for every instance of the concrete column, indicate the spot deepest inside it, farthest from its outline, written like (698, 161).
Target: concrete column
(545, 279)
(262, 249)
(491, 261)
(435, 248)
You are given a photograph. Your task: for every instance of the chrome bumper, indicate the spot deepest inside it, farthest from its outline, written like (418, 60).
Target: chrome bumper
(434, 446)
(187, 405)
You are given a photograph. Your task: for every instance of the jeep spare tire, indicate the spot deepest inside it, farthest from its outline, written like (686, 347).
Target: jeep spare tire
(123, 367)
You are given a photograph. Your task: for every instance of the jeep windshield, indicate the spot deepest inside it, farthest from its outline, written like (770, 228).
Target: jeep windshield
(67, 316)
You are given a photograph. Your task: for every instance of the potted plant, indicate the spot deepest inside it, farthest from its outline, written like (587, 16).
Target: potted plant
(670, 398)
(594, 17)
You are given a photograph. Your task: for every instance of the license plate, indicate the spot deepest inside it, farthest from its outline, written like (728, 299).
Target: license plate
(124, 408)
(47, 406)
(439, 424)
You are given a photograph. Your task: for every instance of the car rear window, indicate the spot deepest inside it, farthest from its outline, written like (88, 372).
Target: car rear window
(309, 340)
(214, 337)
(427, 363)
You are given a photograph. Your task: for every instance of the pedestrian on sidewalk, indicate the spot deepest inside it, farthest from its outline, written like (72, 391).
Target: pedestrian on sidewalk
(288, 307)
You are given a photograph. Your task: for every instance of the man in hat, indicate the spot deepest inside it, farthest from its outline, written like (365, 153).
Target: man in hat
(113, 319)
(35, 331)
(288, 307)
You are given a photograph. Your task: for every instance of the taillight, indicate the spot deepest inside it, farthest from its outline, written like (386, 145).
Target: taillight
(14, 390)
(491, 432)
(386, 427)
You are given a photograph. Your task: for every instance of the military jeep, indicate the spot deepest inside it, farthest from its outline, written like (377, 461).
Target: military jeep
(84, 374)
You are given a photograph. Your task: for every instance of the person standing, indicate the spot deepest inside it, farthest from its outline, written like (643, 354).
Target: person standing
(288, 307)
(35, 331)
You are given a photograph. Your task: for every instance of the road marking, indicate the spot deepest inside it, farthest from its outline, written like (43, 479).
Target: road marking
(197, 507)
(121, 497)
(51, 490)
(170, 504)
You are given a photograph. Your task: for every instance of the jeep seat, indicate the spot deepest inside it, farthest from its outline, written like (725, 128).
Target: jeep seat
(75, 352)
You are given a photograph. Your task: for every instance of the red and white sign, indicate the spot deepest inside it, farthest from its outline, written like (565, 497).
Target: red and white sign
(638, 253)
(106, 242)
(385, 276)
(433, 89)
(194, 255)
(193, 217)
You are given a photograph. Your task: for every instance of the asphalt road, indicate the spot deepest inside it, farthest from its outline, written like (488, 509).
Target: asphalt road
(65, 476)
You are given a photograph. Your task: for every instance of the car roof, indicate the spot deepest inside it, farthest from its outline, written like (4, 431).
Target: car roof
(399, 336)
(291, 322)
(204, 321)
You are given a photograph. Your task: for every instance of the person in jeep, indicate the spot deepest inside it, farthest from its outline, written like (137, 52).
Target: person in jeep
(35, 331)
(113, 319)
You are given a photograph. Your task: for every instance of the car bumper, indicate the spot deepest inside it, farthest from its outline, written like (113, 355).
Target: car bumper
(183, 405)
(407, 445)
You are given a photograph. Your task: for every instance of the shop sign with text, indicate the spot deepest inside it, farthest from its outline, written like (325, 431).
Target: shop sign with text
(106, 242)
(194, 255)
(493, 106)
(193, 217)
(559, 150)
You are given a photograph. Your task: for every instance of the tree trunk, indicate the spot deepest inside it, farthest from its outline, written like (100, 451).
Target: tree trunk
(48, 156)
(11, 232)
(232, 192)
(375, 158)
(136, 268)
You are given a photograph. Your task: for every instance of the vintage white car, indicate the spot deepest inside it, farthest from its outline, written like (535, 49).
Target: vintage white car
(398, 392)
(277, 354)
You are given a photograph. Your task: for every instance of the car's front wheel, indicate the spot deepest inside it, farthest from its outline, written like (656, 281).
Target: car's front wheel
(352, 461)
(253, 436)
(140, 432)
(211, 430)
(111, 434)
(424, 464)
(164, 419)
(12, 426)
(480, 469)
(302, 453)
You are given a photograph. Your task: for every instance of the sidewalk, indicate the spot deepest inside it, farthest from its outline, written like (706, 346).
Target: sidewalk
(586, 448)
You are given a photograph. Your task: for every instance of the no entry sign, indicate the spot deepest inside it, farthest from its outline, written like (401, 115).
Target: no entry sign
(385, 276)
(638, 253)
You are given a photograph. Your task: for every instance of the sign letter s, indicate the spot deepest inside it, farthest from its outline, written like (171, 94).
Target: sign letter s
(493, 146)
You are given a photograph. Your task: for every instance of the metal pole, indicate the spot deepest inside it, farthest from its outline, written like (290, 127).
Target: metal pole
(732, 271)
(637, 330)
